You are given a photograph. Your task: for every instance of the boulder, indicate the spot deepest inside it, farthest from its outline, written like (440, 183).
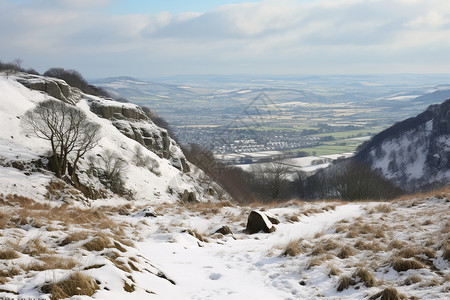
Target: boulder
(224, 230)
(189, 196)
(272, 218)
(257, 222)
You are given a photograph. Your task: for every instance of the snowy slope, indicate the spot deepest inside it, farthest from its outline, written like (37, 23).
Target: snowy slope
(413, 154)
(166, 184)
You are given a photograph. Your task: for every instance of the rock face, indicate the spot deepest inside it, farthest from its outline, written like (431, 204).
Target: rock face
(415, 153)
(131, 120)
(56, 88)
(258, 221)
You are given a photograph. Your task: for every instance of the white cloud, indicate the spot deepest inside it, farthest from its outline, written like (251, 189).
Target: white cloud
(267, 36)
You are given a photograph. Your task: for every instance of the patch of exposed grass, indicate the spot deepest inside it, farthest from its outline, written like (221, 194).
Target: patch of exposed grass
(294, 248)
(76, 284)
(345, 252)
(364, 275)
(388, 293)
(412, 279)
(8, 254)
(344, 283)
(98, 243)
(401, 264)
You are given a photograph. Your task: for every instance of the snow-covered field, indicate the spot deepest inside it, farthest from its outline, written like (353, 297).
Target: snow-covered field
(177, 254)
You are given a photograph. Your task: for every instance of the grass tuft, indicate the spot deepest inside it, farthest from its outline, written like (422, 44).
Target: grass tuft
(388, 293)
(8, 254)
(401, 264)
(77, 284)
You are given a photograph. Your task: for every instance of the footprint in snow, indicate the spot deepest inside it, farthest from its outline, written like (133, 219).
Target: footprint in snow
(215, 276)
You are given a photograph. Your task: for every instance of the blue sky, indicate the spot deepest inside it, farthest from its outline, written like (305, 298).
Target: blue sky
(172, 6)
(145, 39)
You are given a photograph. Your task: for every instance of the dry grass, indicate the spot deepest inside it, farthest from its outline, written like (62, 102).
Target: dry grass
(34, 247)
(334, 271)
(74, 237)
(364, 275)
(384, 208)
(51, 263)
(412, 279)
(198, 235)
(371, 246)
(294, 248)
(76, 284)
(344, 283)
(345, 252)
(388, 293)
(98, 243)
(396, 244)
(401, 264)
(8, 254)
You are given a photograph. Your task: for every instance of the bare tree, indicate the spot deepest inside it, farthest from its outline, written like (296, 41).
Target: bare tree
(66, 128)
(272, 177)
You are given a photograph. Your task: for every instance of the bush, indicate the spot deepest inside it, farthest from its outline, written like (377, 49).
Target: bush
(109, 167)
(145, 161)
(75, 79)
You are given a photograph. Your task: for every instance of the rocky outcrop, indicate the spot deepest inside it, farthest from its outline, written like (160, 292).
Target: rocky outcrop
(131, 120)
(54, 87)
(257, 222)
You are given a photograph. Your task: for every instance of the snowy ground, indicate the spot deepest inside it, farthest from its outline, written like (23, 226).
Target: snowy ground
(314, 248)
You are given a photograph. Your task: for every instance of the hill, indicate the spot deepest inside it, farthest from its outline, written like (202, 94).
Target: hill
(414, 153)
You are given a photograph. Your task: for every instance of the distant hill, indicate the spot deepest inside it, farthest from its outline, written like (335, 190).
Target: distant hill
(415, 153)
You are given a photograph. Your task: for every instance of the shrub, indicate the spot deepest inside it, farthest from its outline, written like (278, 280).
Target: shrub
(110, 168)
(365, 276)
(142, 160)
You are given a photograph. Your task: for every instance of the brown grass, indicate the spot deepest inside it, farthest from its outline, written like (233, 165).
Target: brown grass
(74, 237)
(98, 243)
(294, 248)
(344, 283)
(345, 252)
(388, 293)
(76, 284)
(365, 276)
(384, 208)
(411, 279)
(334, 271)
(34, 247)
(51, 262)
(8, 254)
(401, 264)
(396, 244)
(198, 235)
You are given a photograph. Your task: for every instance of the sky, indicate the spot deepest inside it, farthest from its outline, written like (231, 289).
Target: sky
(144, 39)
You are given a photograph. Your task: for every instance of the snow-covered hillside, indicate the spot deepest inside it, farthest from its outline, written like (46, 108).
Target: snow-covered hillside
(56, 243)
(414, 154)
(167, 179)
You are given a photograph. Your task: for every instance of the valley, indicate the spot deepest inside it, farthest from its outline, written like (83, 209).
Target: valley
(298, 115)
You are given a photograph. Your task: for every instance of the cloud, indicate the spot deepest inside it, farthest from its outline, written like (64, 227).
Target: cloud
(266, 36)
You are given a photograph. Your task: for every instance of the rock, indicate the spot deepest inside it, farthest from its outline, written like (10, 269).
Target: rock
(18, 165)
(258, 221)
(272, 218)
(189, 196)
(224, 230)
(56, 88)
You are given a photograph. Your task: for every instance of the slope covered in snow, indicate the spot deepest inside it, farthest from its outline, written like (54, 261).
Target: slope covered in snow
(415, 153)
